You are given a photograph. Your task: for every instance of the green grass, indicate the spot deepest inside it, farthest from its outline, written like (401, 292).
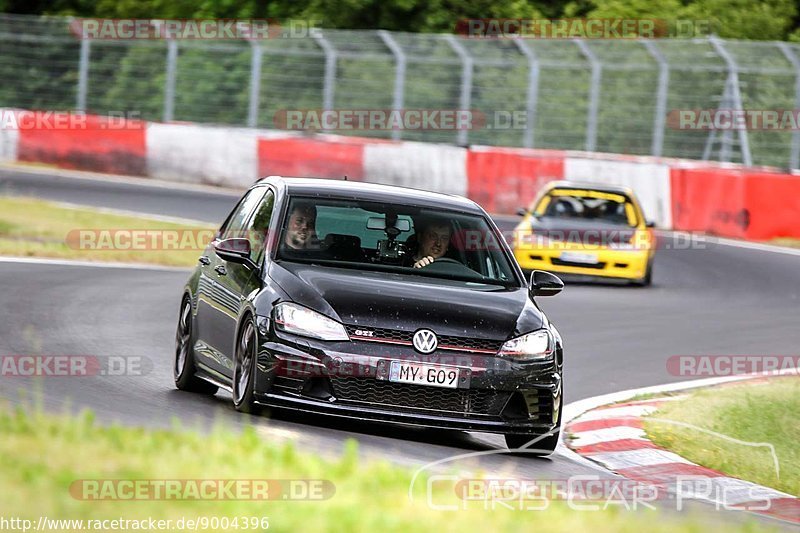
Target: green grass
(786, 241)
(36, 228)
(752, 412)
(42, 455)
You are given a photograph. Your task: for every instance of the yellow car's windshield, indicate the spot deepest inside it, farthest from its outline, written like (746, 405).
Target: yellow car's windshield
(587, 205)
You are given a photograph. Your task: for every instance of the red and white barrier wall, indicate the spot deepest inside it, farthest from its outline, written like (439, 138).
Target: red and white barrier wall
(726, 200)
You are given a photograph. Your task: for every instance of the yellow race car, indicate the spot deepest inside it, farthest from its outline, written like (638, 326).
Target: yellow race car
(583, 229)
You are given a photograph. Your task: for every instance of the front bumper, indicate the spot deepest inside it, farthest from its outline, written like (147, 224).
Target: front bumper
(620, 264)
(328, 378)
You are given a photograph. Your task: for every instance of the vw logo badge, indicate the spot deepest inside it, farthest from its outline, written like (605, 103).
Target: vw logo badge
(425, 341)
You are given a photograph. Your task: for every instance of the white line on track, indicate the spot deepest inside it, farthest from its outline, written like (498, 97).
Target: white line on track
(107, 264)
(114, 178)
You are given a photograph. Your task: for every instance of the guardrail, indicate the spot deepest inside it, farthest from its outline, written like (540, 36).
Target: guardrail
(611, 96)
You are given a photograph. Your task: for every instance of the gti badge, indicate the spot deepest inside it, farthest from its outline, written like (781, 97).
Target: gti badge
(425, 341)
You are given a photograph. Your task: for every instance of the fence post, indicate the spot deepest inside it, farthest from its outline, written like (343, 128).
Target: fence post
(169, 88)
(731, 91)
(594, 94)
(330, 70)
(83, 73)
(399, 75)
(794, 151)
(255, 84)
(532, 96)
(661, 98)
(467, 63)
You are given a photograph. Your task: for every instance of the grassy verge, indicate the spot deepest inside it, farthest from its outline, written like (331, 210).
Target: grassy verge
(36, 228)
(786, 241)
(41, 456)
(754, 412)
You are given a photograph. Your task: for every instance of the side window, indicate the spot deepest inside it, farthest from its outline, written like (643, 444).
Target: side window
(235, 225)
(259, 226)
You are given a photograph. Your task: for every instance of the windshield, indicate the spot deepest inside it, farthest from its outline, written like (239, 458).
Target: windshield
(588, 205)
(402, 239)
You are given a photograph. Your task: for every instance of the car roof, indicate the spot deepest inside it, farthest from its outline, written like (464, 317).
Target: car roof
(372, 192)
(588, 185)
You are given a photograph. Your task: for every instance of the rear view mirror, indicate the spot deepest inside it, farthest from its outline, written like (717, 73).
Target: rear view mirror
(650, 224)
(544, 284)
(522, 211)
(379, 223)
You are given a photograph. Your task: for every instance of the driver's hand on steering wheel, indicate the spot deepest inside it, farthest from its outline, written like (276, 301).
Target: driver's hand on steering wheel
(425, 261)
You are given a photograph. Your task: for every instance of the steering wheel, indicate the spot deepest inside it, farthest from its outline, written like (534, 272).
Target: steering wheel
(444, 260)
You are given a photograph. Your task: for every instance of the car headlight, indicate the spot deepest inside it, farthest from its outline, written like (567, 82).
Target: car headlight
(535, 346)
(299, 320)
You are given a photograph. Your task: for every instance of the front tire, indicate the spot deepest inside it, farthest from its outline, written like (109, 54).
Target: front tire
(647, 280)
(542, 447)
(184, 368)
(244, 369)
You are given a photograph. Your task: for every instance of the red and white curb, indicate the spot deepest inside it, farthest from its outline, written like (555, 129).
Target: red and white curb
(613, 436)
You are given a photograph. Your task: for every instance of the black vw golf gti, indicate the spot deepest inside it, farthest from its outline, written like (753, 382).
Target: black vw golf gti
(372, 302)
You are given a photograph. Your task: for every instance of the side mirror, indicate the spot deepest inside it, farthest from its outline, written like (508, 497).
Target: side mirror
(544, 284)
(522, 211)
(235, 250)
(650, 224)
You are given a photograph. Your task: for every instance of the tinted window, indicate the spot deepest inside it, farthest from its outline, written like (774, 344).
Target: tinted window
(391, 237)
(259, 225)
(235, 225)
(334, 219)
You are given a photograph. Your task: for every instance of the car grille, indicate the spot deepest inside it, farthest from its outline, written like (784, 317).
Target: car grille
(463, 402)
(405, 337)
(595, 266)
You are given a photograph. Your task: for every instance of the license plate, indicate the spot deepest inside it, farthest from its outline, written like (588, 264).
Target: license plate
(578, 257)
(421, 374)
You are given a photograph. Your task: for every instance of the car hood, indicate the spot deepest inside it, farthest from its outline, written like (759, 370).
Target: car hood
(582, 231)
(403, 302)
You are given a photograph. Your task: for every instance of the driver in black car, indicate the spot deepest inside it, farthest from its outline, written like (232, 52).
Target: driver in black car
(433, 240)
(301, 227)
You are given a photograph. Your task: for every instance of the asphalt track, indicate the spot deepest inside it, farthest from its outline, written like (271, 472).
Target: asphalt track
(710, 299)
